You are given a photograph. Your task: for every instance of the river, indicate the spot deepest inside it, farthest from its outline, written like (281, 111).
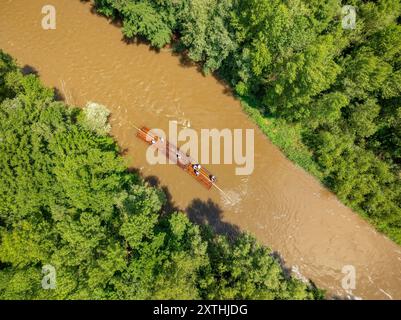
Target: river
(280, 204)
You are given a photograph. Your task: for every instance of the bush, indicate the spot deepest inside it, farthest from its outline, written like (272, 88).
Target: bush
(95, 118)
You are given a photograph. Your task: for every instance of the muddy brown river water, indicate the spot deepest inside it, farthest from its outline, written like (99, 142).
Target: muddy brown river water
(279, 203)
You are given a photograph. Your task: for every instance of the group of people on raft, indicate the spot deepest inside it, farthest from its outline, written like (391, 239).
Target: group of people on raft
(196, 167)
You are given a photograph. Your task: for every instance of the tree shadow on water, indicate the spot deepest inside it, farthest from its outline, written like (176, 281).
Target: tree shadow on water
(204, 213)
(175, 46)
(58, 95)
(123, 152)
(27, 69)
(210, 214)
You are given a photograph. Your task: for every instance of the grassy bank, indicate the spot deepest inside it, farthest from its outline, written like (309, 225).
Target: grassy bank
(286, 136)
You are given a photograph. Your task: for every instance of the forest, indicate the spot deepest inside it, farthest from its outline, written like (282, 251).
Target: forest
(67, 199)
(328, 96)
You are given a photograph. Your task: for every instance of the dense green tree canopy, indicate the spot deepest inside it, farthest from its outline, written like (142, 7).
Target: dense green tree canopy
(68, 201)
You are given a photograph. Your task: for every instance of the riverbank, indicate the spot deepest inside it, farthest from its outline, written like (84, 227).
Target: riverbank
(348, 125)
(283, 206)
(288, 137)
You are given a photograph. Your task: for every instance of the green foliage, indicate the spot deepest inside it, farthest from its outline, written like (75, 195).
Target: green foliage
(95, 117)
(304, 76)
(330, 98)
(140, 18)
(204, 26)
(67, 200)
(288, 136)
(246, 270)
(7, 66)
(143, 20)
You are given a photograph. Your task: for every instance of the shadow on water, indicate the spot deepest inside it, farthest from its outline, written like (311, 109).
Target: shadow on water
(227, 90)
(27, 69)
(137, 40)
(209, 213)
(182, 53)
(184, 59)
(124, 152)
(117, 21)
(58, 95)
(204, 213)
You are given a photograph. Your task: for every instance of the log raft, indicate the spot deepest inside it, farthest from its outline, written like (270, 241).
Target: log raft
(175, 155)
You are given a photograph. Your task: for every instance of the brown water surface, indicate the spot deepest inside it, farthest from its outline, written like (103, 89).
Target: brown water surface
(283, 206)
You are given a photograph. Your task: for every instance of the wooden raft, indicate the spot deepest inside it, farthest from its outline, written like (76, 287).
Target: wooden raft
(175, 155)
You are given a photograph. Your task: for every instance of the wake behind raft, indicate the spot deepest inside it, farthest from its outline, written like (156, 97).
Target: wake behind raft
(175, 155)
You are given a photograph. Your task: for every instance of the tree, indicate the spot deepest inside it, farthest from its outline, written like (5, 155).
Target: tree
(306, 75)
(140, 18)
(246, 270)
(205, 32)
(7, 66)
(67, 200)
